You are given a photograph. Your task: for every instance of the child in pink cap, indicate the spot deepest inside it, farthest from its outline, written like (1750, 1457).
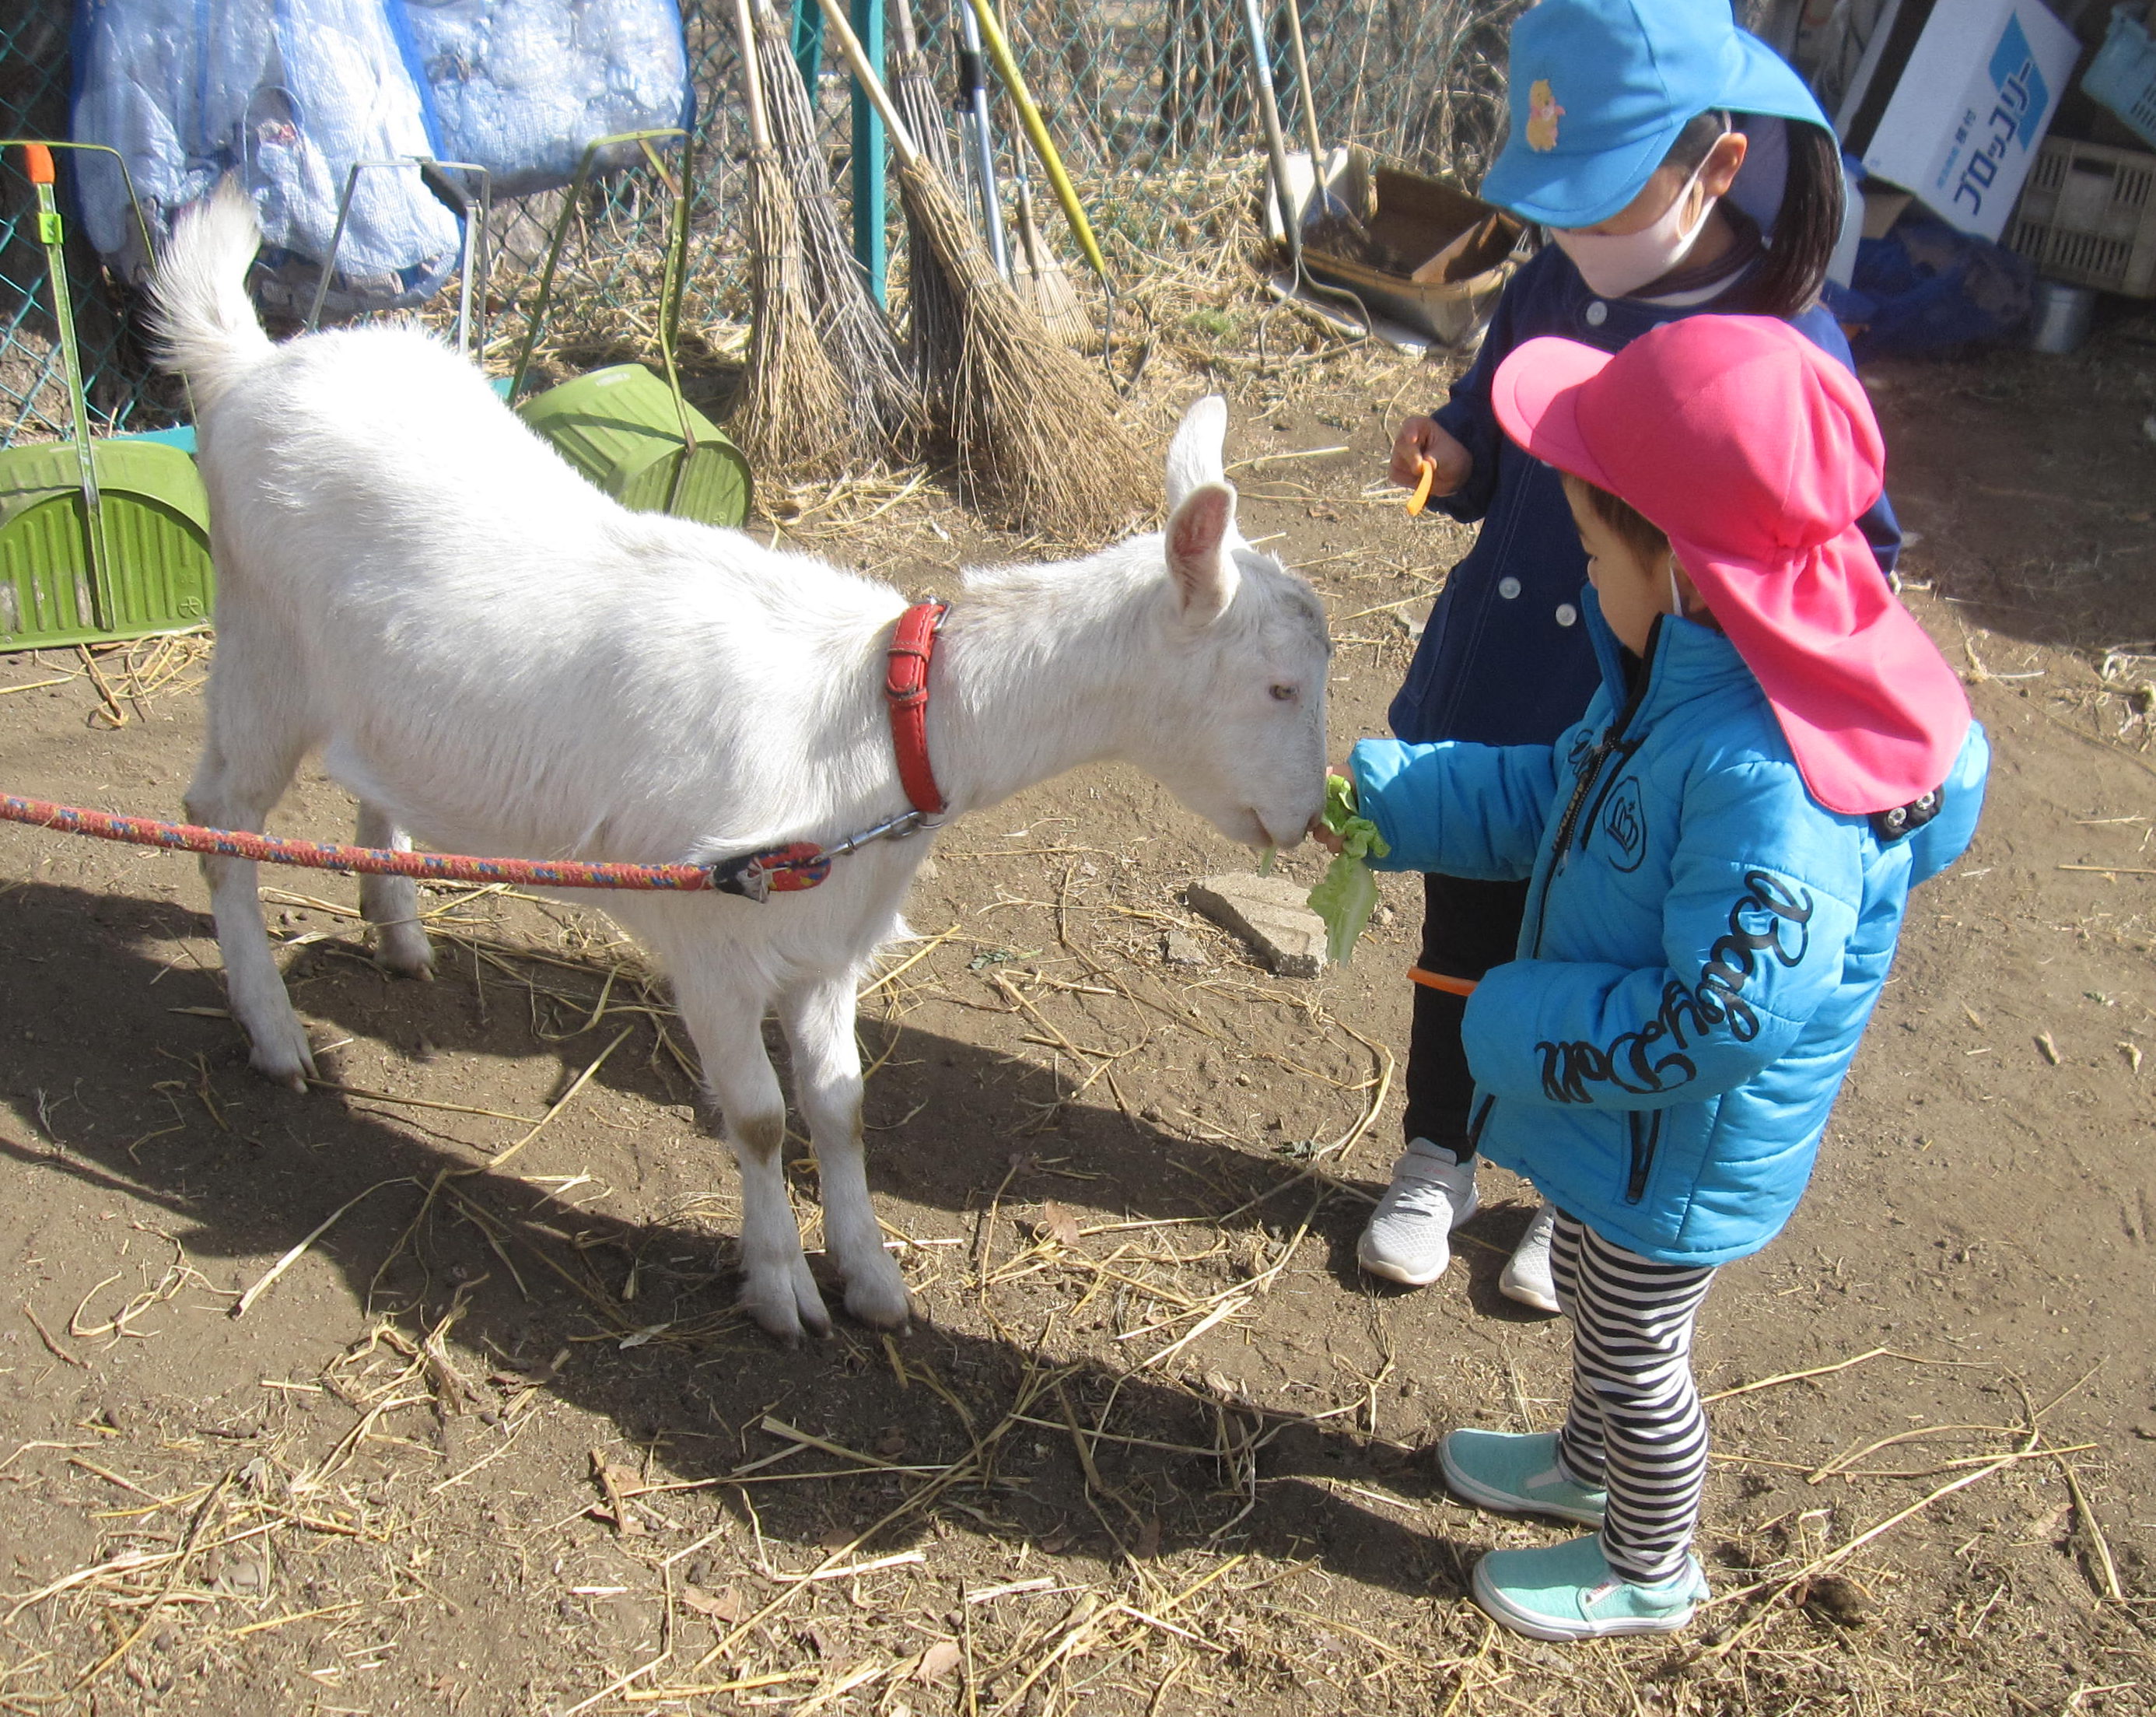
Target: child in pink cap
(1719, 856)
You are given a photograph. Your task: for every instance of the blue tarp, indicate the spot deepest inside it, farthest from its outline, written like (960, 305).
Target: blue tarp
(290, 93)
(523, 87)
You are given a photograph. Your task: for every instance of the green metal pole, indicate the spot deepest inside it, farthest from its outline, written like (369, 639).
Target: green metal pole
(809, 43)
(871, 239)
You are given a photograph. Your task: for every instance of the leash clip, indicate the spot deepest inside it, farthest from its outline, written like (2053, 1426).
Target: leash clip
(783, 870)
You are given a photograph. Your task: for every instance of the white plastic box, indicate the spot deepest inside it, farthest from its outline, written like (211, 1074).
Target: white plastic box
(1952, 100)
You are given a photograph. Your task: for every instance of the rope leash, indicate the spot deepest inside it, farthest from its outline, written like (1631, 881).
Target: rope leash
(754, 876)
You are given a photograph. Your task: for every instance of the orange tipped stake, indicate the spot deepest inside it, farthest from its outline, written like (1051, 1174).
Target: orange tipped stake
(1420, 499)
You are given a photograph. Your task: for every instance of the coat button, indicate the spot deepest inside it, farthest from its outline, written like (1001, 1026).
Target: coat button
(1597, 314)
(1508, 587)
(1566, 614)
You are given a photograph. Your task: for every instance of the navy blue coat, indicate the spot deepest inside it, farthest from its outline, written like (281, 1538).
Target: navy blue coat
(1505, 660)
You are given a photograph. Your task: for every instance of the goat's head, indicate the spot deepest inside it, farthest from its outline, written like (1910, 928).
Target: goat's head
(1238, 732)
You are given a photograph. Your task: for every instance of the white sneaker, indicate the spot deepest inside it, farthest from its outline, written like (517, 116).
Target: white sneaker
(1526, 1276)
(1410, 1237)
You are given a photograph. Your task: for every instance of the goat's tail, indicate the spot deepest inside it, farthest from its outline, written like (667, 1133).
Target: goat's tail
(205, 324)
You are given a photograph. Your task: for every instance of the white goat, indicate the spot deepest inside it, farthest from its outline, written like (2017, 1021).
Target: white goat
(488, 651)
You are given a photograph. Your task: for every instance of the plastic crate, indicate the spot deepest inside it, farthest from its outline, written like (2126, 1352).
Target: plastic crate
(2087, 215)
(2123, 75)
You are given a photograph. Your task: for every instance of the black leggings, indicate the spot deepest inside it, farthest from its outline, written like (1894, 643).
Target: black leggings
(1467, 927)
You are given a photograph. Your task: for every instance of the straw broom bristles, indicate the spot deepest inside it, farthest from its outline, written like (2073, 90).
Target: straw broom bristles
(792, 410)
(935, 338)
(882, 394)
(1038, 436)
(1039, 444)
(792, 405)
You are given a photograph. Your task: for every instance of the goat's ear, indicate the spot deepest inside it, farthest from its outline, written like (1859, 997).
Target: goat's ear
(1193, 457)
(1200, 559)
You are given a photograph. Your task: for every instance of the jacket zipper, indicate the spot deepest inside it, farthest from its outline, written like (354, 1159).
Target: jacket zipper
(1482, 1119)
(1643, 1151)
(1623, 752)
(1612, 739)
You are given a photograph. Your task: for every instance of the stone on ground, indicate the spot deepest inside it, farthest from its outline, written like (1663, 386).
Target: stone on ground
(1271, 914)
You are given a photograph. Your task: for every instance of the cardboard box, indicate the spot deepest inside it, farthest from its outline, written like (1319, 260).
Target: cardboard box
(1952, 99)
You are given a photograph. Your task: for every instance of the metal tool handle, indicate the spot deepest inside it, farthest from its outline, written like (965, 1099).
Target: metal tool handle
(1036, 131)
(973, 96)
(569, 206)
(1269, 111)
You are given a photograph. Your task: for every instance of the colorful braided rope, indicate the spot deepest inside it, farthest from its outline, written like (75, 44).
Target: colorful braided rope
(328, 855)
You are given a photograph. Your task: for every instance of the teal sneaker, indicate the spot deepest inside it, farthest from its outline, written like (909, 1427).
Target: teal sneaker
(1567, 1591)
(1515, 1474)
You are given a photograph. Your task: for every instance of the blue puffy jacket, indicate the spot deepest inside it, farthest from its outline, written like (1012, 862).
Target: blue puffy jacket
(1703, 942)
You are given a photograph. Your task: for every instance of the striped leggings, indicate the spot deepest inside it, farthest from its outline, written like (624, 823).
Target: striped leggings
(1635, 1427)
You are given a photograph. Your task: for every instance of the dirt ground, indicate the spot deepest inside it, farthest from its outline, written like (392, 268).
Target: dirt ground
(494, 1441)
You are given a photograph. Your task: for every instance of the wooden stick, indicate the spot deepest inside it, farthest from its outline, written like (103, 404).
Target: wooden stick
(857, 62)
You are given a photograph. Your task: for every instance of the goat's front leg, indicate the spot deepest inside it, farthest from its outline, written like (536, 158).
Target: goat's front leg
(818, 1018)
(726, 1021)
(392, 904)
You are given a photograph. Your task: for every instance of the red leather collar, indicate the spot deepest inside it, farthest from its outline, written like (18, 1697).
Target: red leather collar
(905, 695)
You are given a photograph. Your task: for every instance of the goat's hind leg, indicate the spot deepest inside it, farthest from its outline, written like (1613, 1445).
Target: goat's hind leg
(392, 904)
(245, 767)
(818, 1017)
(726, 1021)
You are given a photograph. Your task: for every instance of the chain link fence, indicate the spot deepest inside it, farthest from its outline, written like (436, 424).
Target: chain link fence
(1151, 102)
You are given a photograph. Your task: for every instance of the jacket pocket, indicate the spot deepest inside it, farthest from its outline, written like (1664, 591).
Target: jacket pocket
(1644, 1129)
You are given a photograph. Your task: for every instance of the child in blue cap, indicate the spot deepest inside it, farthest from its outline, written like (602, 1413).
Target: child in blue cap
(1681, 169)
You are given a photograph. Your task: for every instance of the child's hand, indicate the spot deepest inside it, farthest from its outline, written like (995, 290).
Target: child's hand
(1424, 438)
(1321, 828)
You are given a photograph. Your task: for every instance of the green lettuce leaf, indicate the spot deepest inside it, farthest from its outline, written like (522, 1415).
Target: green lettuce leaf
(1347, 893)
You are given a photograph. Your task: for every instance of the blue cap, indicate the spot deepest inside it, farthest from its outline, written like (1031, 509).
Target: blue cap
(1599, 89)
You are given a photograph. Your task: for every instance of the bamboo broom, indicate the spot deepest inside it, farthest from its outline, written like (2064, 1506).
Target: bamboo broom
(885, 398)
(1038, 441)
(792, 408)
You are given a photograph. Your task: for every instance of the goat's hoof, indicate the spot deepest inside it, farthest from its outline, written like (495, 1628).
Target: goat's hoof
(790, 1309)
(285, 1059)
(403, 951)
(880, 1304)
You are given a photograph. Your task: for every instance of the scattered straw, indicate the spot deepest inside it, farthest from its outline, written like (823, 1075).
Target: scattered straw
(268, 1278)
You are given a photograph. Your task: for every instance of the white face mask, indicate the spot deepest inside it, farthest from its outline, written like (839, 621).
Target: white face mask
(1615, 265)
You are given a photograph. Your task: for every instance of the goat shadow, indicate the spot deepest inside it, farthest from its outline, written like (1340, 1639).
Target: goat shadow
(88, 995)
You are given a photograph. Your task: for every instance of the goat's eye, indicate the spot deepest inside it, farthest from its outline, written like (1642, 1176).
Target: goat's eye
(1284, 694)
